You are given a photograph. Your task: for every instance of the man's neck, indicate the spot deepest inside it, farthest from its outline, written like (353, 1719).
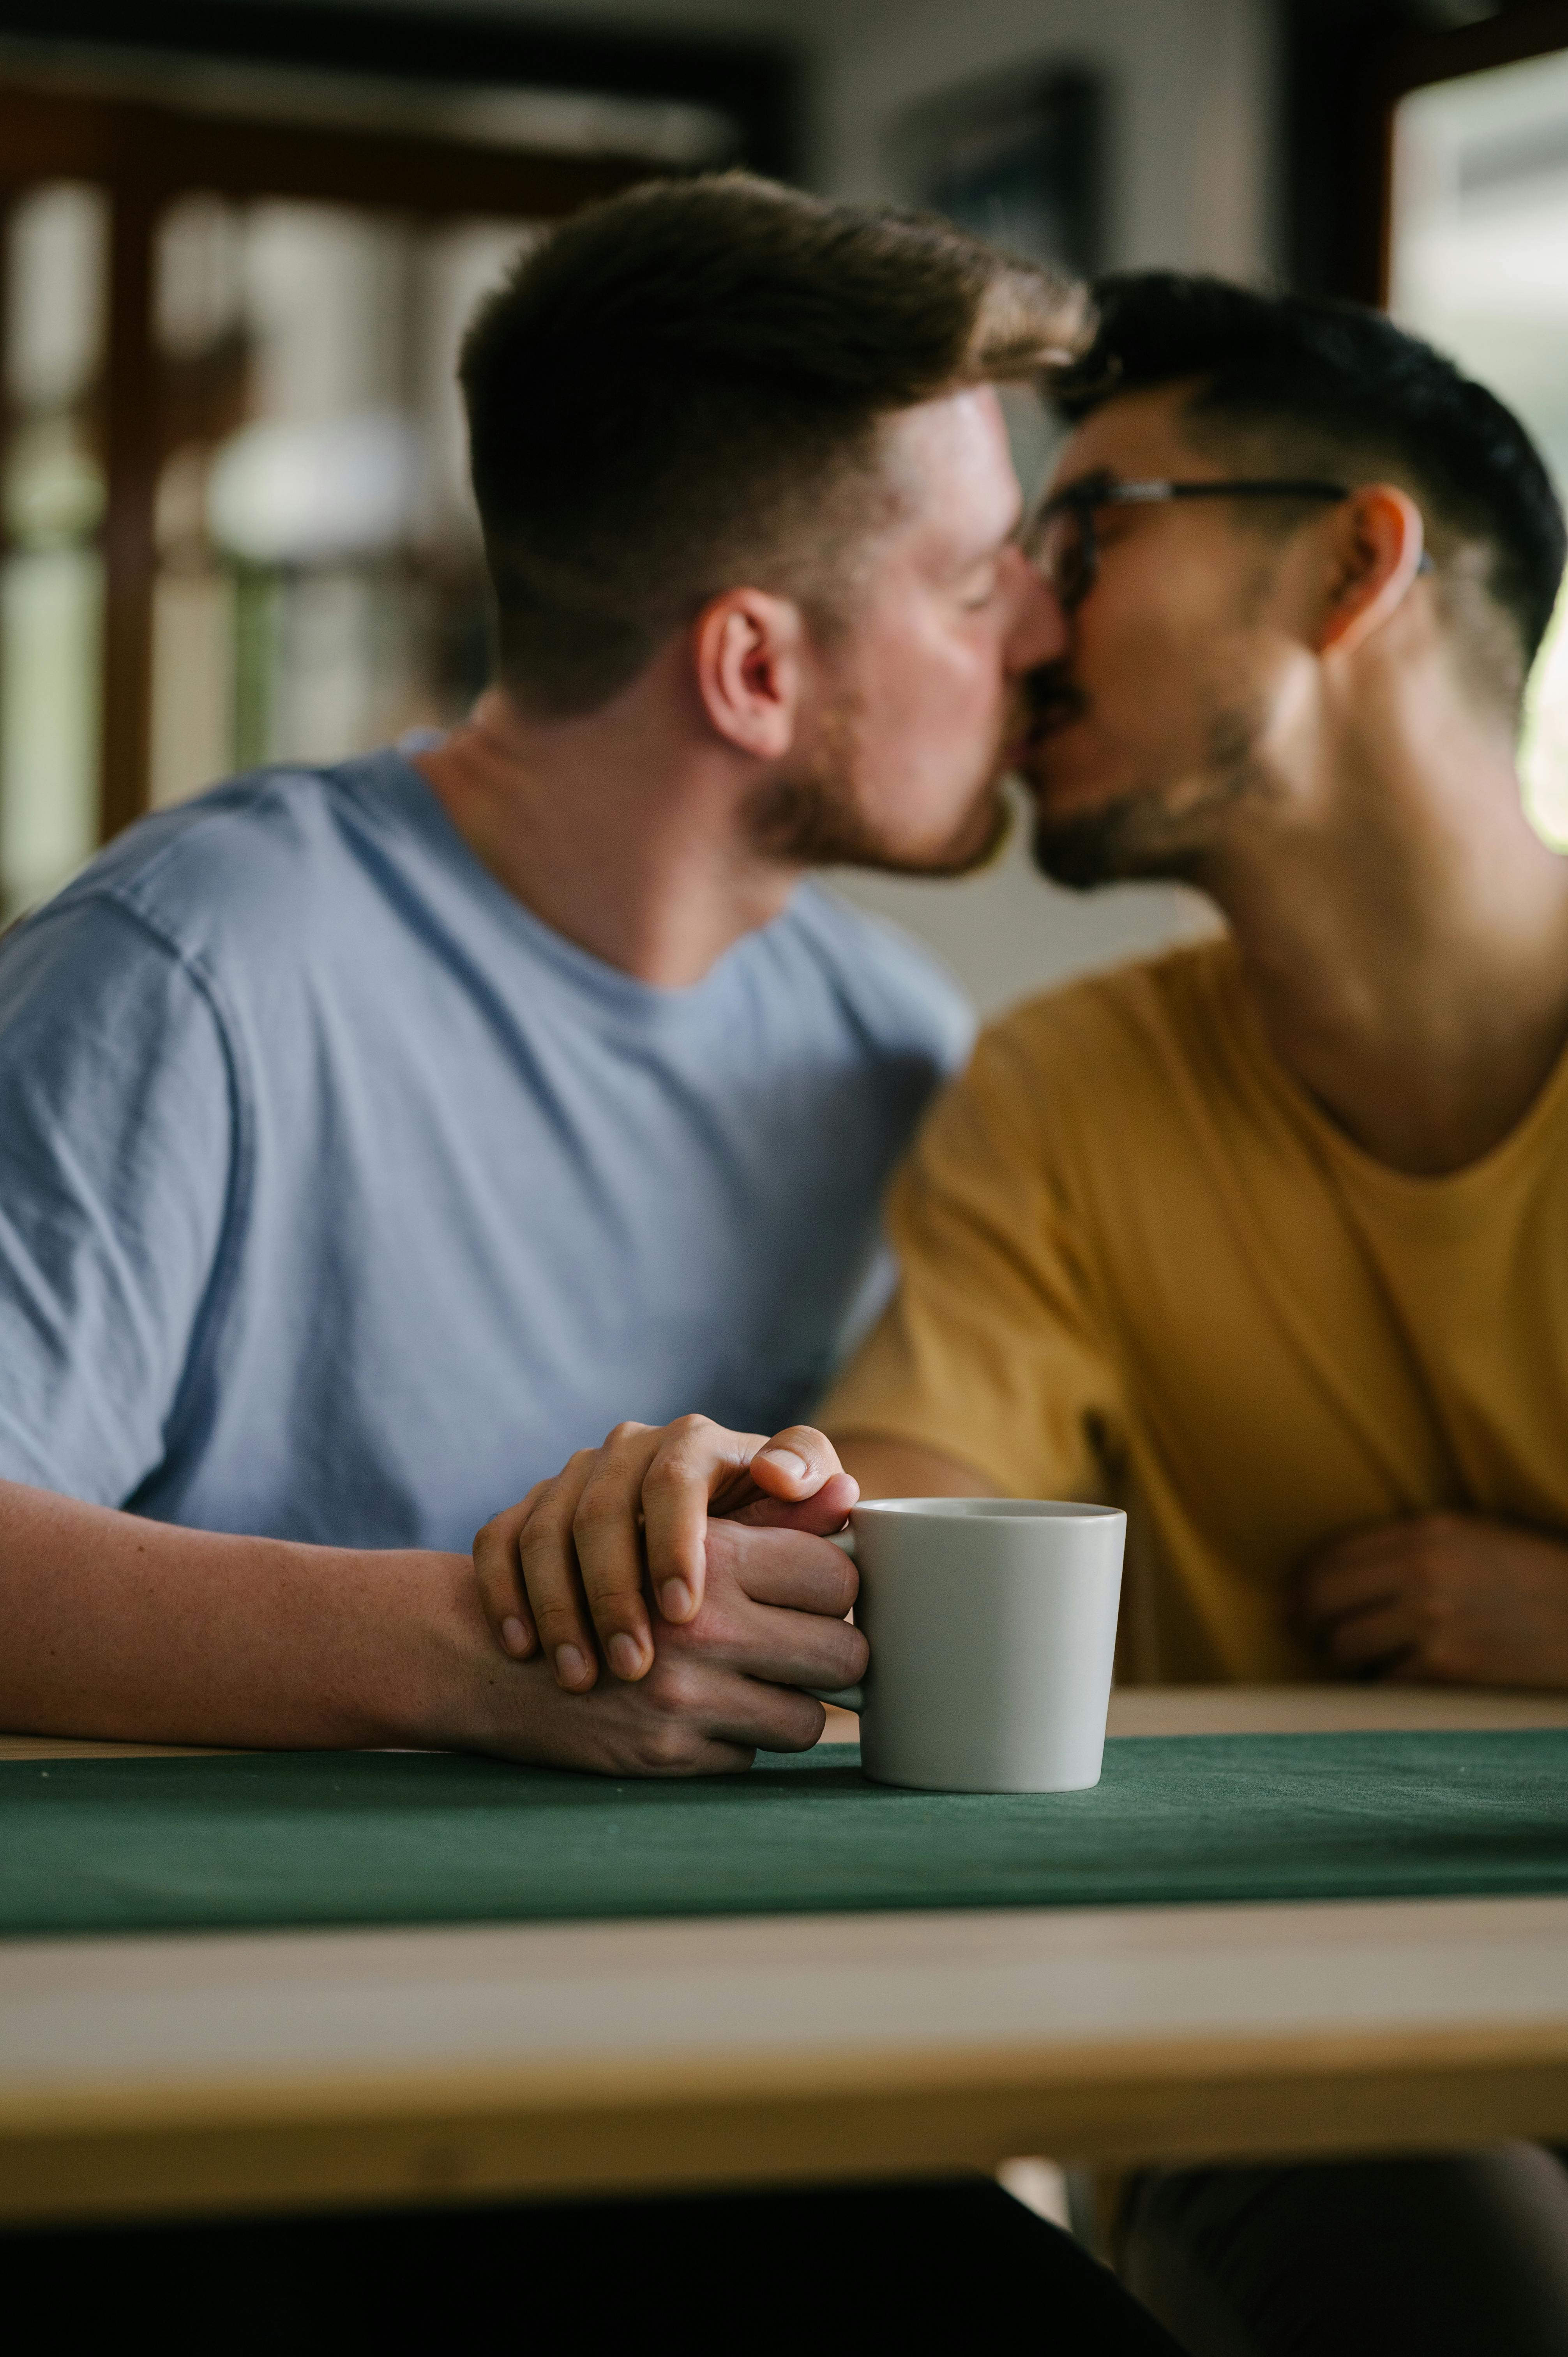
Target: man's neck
(615, 829)
(1408, 954)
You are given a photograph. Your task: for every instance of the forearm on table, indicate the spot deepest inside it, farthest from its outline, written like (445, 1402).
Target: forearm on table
(111, 1625)
(901, 1469)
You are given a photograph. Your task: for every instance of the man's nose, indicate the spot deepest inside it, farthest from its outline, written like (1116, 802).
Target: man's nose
(1039, 632)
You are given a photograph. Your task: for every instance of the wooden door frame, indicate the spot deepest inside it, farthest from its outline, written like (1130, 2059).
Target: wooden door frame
(756, 79)
(145, 156)
(1344, 65)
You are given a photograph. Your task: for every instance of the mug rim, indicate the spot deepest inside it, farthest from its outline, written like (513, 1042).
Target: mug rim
(996, 1510)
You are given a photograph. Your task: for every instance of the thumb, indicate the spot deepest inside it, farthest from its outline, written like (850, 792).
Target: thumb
(795, 1463)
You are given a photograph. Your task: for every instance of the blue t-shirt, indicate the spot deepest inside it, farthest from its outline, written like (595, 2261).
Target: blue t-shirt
(341, 1199)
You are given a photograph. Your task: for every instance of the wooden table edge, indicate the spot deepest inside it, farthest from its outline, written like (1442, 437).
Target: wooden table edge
(309, 2142)
(249, 2145)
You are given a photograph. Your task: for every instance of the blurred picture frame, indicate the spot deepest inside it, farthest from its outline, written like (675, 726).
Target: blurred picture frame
(1019, 161)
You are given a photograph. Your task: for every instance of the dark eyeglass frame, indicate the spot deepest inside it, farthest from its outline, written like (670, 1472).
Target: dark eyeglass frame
(1082, 498)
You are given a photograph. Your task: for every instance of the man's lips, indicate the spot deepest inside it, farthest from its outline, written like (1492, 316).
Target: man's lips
(1050, 705)
(1052, 697)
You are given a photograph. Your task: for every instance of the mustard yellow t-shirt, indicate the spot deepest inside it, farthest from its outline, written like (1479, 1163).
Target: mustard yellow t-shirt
(1139, 1265)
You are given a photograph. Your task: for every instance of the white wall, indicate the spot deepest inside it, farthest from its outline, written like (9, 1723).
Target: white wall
(1188, 84)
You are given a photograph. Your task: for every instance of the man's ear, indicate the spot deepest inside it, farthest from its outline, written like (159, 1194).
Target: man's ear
(1379, 542)
(748, 651)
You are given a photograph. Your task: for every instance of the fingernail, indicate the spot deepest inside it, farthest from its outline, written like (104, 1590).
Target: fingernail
(787, 1462)
(514, 1636)
(674, 1600)
(626, 1655)
(571, 1667)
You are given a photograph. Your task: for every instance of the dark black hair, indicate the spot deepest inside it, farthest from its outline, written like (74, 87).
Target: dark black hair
(1333, 387)
(681, 388)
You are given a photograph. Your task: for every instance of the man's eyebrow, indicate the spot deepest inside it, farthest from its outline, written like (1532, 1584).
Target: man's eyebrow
(965, 559)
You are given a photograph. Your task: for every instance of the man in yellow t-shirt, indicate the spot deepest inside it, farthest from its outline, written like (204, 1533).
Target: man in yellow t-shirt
(1268, 1238)
(1141, 1264)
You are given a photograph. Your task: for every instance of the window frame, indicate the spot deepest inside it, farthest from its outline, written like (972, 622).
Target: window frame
(145, 156)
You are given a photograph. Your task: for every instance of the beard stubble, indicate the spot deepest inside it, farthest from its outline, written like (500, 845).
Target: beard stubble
(1162, 831)
(813, 817)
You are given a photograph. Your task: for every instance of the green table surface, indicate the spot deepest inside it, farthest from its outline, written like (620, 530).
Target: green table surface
(295, 1838)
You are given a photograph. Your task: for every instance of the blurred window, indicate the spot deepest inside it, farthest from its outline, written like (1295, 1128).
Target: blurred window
(235, 523)
(55, 244)
(320, 584)
(1478, 266)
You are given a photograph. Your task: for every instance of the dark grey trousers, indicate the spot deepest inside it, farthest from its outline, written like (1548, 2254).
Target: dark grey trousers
(1457, 2255)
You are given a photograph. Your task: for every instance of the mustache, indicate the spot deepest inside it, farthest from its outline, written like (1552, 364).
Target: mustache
(1045, 699)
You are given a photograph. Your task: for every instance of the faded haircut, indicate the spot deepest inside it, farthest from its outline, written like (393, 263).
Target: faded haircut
(683, 390)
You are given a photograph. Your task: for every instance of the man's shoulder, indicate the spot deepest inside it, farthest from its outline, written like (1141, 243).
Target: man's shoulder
(255, 855)
(887, 984)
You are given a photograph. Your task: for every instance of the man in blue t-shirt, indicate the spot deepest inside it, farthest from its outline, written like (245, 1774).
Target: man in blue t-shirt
(372, 1138)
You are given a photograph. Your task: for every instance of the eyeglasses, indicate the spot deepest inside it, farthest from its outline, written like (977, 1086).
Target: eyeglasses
(1061, 540)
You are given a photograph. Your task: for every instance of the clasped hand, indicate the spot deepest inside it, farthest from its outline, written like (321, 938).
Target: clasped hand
(726, 1537)
(1444, 1599)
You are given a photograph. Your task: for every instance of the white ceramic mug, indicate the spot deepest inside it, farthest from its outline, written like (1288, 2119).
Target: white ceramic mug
(991, 1623)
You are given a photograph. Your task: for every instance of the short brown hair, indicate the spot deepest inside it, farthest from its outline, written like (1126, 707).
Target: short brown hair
(682, 388)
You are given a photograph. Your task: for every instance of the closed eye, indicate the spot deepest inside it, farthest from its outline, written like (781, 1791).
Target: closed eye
(981, 585)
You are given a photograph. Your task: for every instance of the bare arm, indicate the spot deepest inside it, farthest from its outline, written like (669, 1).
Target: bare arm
(567, 1575)
(111, 1625)
(116, 1626)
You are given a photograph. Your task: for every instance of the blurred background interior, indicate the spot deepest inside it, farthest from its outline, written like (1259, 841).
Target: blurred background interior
(238, 240)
